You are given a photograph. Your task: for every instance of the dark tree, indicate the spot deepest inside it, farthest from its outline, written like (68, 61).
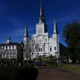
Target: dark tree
(71, 35)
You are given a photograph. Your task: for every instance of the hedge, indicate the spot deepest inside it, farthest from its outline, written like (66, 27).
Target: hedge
(26, 72)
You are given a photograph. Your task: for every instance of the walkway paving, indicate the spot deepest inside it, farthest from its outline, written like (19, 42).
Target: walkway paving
(49, 73)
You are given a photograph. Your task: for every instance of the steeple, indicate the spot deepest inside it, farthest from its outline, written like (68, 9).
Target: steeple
(41, 15)
(55, 31)
(26, 32)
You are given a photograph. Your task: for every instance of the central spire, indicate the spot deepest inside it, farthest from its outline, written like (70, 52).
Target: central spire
(41, 16)
(41, 9)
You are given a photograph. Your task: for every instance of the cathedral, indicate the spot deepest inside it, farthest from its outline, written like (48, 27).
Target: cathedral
(45, 45)
(40, 44)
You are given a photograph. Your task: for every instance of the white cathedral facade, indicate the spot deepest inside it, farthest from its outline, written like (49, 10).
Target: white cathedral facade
(46, 45)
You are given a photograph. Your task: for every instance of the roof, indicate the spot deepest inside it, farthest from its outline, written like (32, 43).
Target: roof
(7, 44)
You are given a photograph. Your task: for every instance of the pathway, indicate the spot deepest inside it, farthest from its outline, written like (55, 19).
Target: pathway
(49, 73)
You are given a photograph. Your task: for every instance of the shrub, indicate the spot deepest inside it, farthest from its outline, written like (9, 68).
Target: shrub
(16, 72)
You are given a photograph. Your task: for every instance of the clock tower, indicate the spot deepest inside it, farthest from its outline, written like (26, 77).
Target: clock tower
(46, 45)
(41, 26)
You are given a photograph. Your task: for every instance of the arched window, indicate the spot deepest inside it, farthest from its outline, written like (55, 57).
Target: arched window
(54, 48)
(50, 48)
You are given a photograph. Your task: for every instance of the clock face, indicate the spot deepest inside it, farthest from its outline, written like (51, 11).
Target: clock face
(39, 30)
(40, 37)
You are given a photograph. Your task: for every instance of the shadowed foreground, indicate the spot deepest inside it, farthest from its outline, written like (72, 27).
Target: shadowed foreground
(18, 73)
(27, 74)
(49, 73)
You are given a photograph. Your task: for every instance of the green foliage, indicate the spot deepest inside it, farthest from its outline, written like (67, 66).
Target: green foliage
(71, 35)
(49, 58)
(15, 72)
(34, 59)
(71, 67)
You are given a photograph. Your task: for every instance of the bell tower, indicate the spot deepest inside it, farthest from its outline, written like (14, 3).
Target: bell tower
(41, 26)
(55, 37)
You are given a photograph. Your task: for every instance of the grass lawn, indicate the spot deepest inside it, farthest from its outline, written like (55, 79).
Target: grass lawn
(72, 67)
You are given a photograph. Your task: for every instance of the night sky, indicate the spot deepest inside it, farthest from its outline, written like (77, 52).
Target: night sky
(15, 13)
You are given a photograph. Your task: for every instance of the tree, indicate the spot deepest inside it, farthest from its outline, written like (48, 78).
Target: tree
(30, 48)
(71, 35)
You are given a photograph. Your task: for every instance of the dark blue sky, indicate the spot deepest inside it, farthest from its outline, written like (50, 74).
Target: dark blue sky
(14, 13)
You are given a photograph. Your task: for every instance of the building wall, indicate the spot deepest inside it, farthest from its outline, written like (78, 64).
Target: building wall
(42, 39)
(9, 51)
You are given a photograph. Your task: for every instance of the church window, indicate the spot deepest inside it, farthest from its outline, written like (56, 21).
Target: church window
(34, 41)
(45, 40)
(50, 48)
(55, 52)
(54, 48)
(41, 49)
